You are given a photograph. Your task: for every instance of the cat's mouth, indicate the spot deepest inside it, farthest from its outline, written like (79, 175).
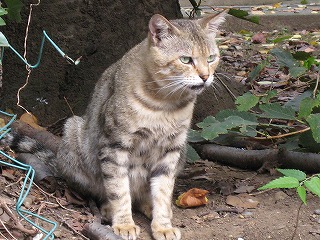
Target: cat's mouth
(197, 87)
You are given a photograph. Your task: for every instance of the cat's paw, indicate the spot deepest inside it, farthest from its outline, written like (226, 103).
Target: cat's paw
(167, 234)
(127, 231)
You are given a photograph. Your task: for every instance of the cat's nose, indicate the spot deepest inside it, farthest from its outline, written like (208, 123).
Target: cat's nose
(204, 77)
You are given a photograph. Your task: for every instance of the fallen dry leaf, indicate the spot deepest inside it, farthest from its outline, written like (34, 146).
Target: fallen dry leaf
(243, 200)
(193, 198)
(30, 119)
(258, 38)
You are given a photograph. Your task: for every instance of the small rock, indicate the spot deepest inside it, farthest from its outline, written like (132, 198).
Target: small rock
(280, 195)
(28, 201)
(317, 211)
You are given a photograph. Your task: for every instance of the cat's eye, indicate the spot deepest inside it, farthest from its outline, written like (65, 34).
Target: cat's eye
(211, 58)
(186, 60)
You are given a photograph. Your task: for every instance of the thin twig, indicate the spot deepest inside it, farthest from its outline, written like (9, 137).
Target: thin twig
(68, 105)
(316, 87)
(297, 222)
(7, 230)
(55, 198)
(283, 135)
(16, 223)
(63, 221)
(225, 85)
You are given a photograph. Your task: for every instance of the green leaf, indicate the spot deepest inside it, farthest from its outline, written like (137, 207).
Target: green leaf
(257, 70)
(3, 41)
(246, 101)
(284, 58)
(313, 185)
(297, 71)
(271, 94)
(295, 103)
(215, 129)
(275, 110)
(301, 55)
(207, 122)
(280, 39)
(192, 154)
(2, 22)
(282, 182)
(14, 9)
(307, 104)
(314, 122)
(302, 193)
(293, 173)
(194, 136)
(307, 141)
(3, 11)
(243, 15)
(223, 114)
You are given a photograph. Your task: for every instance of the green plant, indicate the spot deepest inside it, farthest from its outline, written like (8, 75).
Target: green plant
(12, 10)
(296, 179)
(262, 117)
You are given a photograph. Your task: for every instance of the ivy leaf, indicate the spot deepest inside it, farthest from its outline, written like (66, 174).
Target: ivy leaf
(217, 128)
(275, 110)
(297, 71)
(257, 70)
(223, 114)
(194, 136)
(301, 55)
(307, 104)
(282, 182)
(307, 141)
(314, 122)
(293, 173)
(302, 193)
(284, 58)
(207, 122)
(246, 101)
(313, 185)
(192, 154)
(270, 94)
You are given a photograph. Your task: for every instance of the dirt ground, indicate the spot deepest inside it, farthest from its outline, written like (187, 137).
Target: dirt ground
(275, 217)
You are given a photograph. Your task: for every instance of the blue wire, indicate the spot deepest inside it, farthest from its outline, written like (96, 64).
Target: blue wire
(45, 36)
(27, 181)
(30, 171)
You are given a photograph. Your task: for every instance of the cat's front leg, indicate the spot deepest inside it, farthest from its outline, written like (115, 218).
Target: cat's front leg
(118, 205)
(162, 183)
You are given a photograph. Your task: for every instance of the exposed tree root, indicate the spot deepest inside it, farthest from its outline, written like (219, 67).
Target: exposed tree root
(260, 159)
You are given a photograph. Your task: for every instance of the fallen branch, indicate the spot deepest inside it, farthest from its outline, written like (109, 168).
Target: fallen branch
(46, 138)
(97, 231)
(256, 159)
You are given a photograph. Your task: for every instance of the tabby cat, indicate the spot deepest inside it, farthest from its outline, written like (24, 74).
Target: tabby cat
(127, 149)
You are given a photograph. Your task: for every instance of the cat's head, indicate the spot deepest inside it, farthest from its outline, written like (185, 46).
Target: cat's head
(184, 54)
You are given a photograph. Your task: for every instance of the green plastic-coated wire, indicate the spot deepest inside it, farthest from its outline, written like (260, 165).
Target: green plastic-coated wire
(27, 184)
(30, 172)
(45, 36)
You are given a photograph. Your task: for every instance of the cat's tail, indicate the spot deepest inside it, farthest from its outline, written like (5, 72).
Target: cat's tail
(31, 152)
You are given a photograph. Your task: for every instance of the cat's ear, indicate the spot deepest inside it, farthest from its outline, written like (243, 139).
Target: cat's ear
(212, 22)
(160, 28)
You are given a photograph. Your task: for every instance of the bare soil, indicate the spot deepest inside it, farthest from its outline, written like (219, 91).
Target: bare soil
(277, 215)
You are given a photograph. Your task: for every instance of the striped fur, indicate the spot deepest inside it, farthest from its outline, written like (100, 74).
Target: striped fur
(128, 147)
